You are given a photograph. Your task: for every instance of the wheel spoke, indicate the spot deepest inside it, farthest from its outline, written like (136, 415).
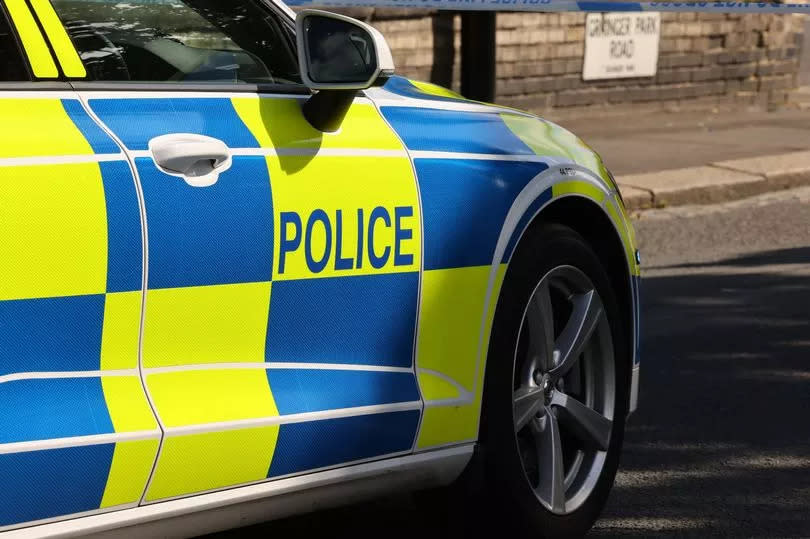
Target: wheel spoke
(528, 402)
(591, 427)
(551, 487)
(540, 321)
(576, 333)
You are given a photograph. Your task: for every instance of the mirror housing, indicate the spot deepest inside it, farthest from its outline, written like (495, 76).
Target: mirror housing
(338, 56)
(336, 52)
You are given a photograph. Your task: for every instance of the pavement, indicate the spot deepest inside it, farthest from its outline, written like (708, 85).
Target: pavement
(674, 158)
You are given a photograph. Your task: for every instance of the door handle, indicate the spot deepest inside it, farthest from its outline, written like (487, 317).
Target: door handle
(198, 159)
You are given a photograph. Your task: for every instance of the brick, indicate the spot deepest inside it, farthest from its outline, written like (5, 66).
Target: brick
(693, 29)
(575, 34)
(570, 19)
(673, 75)
(574, 66)
(569, 50)
(672, 29)
(556, 35)
(739, 71)
(733, 86)
(749, 85)
(557, 67)
(682, 60)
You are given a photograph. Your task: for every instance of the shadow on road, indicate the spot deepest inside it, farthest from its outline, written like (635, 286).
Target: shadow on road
(721, 442)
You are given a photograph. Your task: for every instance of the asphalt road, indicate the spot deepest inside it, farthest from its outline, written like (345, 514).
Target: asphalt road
(721, 443)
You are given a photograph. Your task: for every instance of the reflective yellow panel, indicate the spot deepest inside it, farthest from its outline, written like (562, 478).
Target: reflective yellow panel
(131, 465)
(279, 123)
(32, 40)
(450, 319)
(126, 401)
(344, 216)
(450, 346)
(206, 324)
(434, 388)
(41, 128)
(548, 139)
(53, 238)
(578, 188)
(210, 396)
(448, 424)
(122, 326)
(68, 57)
(434, 89)
(629, 250)
(199, 462)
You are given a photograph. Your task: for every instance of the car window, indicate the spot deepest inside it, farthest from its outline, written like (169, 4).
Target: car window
(233, 41)
(12, 65)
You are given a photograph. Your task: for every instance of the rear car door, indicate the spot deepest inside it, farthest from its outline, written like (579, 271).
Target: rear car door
(77, 434)
(283, 266)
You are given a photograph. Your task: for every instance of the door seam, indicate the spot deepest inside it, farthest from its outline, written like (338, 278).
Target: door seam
(144, 282)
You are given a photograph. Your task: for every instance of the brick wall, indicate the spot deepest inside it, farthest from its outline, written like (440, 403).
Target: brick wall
(705, 59)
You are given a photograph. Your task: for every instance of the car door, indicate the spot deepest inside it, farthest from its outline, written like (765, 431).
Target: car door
(283, 265)
(77, 434)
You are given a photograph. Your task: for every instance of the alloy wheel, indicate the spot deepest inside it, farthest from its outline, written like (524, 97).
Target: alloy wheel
(564, 389)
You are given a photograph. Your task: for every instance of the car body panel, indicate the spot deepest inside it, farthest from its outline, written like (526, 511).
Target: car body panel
(71, 258)
(281, 301)
(484, 172)
(304, 296)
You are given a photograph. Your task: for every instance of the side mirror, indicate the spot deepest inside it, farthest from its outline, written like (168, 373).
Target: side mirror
(337, 56)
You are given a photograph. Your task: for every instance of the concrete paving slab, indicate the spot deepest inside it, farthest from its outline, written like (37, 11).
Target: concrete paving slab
(696, 185)
(782, 171)
(635, 198)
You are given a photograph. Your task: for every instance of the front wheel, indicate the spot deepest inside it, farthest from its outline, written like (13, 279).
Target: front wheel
(555, 396)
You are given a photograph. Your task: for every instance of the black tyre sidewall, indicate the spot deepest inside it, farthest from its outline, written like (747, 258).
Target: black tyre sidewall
(543, 248)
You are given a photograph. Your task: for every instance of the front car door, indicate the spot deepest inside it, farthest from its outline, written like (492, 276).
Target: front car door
(280, 309)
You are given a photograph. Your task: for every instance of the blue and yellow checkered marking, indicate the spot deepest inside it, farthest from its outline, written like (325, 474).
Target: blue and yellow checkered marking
(484, 189)
(51, 334)
(299, 391)
(71, 257)
(459, 245)
(471, 132)
(363, 320)
(49, 483)
(293, 259)
(136, 121)
(421, 90)
(342, 440)
(222, 234)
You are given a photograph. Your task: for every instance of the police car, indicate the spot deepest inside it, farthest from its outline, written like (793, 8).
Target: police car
(246, 271)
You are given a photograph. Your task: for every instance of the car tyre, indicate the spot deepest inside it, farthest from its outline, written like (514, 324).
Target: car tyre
(552, 265)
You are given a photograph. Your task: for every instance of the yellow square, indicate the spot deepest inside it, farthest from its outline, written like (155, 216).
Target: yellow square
(53, 238)
(127, 404)
(206, 324)
(199, 462)
(40, 127)
(122, 328)
(346, 190)
(211, 395)
(450, 321)
(132, 463)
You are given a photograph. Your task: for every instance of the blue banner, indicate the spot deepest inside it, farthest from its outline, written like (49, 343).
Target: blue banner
(564, 5)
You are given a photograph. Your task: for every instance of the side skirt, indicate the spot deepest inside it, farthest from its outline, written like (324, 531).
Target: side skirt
(243, 506)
